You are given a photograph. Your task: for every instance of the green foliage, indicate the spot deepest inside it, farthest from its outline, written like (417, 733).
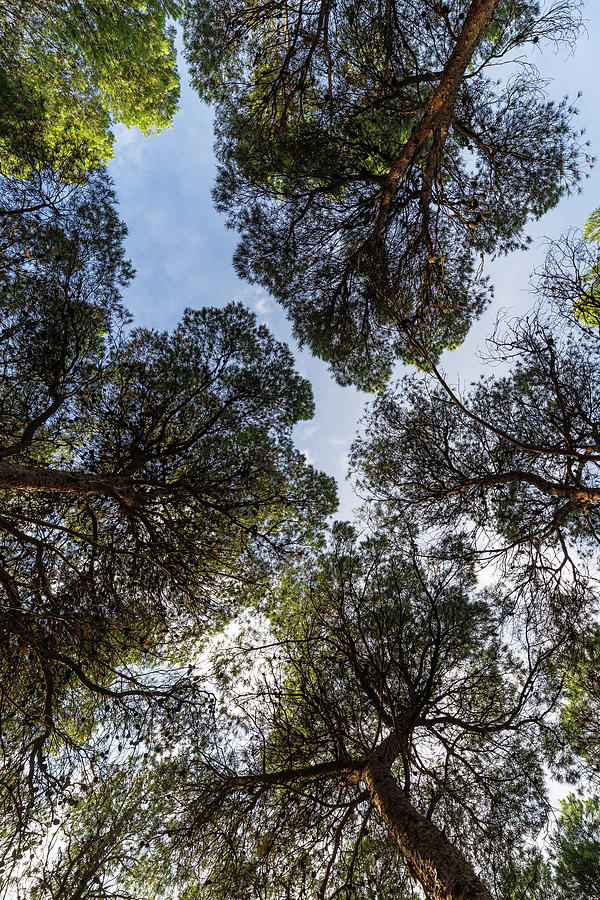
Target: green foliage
(148, 481)
(577, 853)
(528, 878)
(587, 305)
(374, 641)
(580, 715)
(258, 788)
(375, 256)
(70, 70)
(591, 229)
(150, 492)
(512, 459)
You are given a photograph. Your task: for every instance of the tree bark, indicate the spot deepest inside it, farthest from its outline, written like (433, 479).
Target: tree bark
(440, 868)
(575, 492)
(60, 481)
(439, 108)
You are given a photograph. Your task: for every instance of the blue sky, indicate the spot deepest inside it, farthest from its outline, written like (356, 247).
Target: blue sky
(182, 250)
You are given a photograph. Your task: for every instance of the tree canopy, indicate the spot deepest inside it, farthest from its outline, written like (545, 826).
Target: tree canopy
(513, 458)
(207, 690)
(382, 733)
(586, 305)
(70, 70)
(370, 157)
(145, 478)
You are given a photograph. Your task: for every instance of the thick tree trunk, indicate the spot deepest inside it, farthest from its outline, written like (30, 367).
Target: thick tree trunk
(439, 108)
(577, 493)
(59, 481)
(441, 869)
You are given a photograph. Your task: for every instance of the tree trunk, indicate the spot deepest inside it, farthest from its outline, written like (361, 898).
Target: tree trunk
(51, 481)
(440, 868)
(439, 108)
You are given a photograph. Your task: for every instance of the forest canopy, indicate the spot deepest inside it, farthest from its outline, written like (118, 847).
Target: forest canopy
(209, 689)
(70, 70)
(144, 477)
(371, 155)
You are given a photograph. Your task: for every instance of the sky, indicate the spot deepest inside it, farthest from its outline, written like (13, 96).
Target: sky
(182, 250)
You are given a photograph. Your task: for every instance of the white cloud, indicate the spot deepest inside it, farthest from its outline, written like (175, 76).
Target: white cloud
(262, 306)
(129, 145)
(257, 299)
(309, 431)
